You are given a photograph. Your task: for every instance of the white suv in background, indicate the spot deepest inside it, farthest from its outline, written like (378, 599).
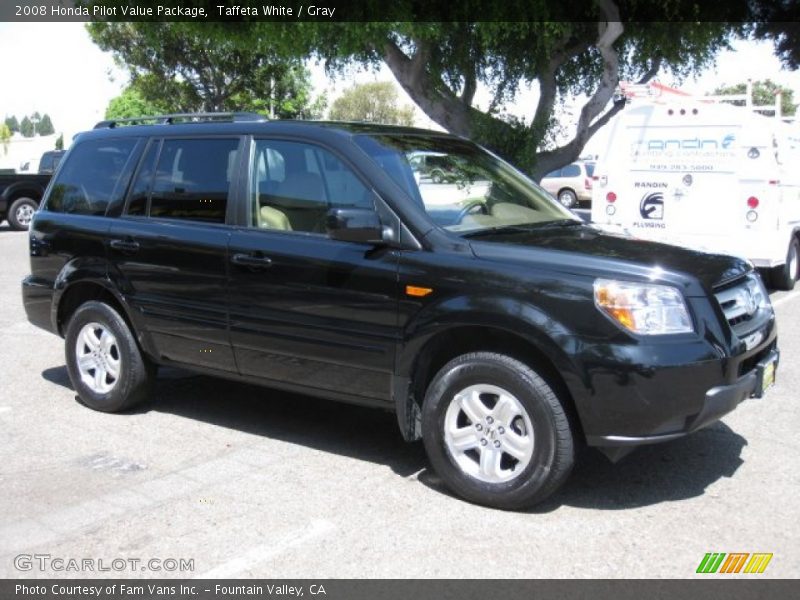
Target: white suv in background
(571, 184)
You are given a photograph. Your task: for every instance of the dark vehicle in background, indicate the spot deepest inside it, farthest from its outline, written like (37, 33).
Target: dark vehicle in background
(19, 198)
(572, 184)
(497, 327)
(434, 166)
(21, 193)
(50, 160)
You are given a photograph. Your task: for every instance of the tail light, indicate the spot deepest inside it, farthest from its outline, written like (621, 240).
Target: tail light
(587, 184)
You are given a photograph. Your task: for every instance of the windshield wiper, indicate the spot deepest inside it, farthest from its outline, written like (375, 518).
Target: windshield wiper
(498, 229)
(556, 223)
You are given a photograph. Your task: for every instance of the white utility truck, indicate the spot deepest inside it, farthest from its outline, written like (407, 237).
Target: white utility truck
(705, 175)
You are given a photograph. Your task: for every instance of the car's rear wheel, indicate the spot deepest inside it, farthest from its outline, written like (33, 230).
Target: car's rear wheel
(495, 431)
(568, 198)
(105, 365)
(785, 276)
(21, 213)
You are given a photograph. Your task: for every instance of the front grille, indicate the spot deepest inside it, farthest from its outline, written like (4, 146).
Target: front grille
(741, 301)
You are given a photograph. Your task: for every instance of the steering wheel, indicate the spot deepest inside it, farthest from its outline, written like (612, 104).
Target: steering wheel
(470, 207)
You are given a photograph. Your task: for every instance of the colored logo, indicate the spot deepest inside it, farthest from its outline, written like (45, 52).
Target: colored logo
(652, 206)
(734, 562)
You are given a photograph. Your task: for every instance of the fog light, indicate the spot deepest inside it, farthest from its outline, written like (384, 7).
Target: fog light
(611, 209)
(752, 216)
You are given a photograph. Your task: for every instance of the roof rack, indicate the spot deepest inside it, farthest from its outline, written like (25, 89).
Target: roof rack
(183, 117)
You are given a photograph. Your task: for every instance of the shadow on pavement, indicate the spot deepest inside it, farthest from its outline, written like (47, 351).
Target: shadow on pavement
(667, 472)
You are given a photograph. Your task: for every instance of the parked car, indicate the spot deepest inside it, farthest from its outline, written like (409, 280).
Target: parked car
(571, 184)
(434, 166)
(50, 160)
(20, 194)
(301, 256)
(19, 198)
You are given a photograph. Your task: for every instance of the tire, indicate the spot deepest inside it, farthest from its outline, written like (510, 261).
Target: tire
(513, 409)
(437, 176)
(785, 276)
(105, 365)
(21, 212)
(568, 198)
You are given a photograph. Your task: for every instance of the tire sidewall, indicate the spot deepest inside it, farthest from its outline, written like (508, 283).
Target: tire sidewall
(573, 198)
(12, 212)
(118, 397)
(522, 489)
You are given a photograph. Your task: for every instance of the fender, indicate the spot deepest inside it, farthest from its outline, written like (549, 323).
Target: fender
(522, 320)
(96, 270)
(28, 188)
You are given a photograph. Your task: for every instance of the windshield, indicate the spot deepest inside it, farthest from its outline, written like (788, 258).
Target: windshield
(463, 188)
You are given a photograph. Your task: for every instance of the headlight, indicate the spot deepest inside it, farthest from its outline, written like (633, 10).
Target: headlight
(643, 308)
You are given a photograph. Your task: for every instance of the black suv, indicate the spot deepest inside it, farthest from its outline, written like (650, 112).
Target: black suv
(499, 328)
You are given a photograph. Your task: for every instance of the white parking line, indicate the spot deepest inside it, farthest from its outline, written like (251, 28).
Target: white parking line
(785, 298)
(260, 554)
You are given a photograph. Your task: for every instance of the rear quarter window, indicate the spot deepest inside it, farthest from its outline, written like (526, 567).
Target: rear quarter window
(91, 177)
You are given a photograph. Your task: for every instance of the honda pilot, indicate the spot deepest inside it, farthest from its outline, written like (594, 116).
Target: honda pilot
(500, 329)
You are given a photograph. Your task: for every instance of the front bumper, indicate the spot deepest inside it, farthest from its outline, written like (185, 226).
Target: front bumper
(718, 402)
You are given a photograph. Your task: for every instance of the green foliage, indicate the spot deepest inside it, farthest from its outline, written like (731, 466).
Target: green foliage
(45, 126)
(5, 136)
(12, 124)
(26, 127)
(539, 44)
(180, 67)
(60, 142)
(131, 103)
(373, 102)
(763, 95)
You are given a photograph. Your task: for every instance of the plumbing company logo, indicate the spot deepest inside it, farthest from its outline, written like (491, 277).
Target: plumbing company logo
(734, 563)
(652, 206)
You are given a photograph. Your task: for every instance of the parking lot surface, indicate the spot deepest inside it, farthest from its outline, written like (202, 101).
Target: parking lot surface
(247, 481)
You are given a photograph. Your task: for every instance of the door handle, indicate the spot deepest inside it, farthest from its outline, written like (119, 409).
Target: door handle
(128, 246)
(251, 260)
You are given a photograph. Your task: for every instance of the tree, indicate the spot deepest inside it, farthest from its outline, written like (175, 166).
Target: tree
(26, 127)
(12, 124)
(374, 102)
(779, 21)
(570, 49)
(45, 126)
(131, 103)
(763, 95)
(5, 136)
(60, 142)
(177, 66)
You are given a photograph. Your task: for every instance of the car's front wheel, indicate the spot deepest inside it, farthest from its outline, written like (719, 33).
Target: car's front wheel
(495, 431)
(105, 365)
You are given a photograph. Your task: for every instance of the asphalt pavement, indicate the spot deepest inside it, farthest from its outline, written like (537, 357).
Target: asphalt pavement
(232, 480)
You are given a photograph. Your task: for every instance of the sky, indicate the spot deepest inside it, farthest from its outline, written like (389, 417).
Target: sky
(72, 80)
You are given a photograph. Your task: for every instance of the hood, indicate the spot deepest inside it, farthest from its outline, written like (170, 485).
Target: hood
(586, 249)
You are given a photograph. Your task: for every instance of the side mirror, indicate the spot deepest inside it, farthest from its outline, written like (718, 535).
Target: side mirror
(354, 225)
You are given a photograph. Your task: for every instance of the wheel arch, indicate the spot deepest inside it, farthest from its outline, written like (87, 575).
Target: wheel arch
(23, 190)
(427, 352)
(79, 283)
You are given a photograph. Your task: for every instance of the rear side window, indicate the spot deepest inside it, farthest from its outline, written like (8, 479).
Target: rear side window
(193, 178)
(556, 173)
(90, 179)
(572, 170)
